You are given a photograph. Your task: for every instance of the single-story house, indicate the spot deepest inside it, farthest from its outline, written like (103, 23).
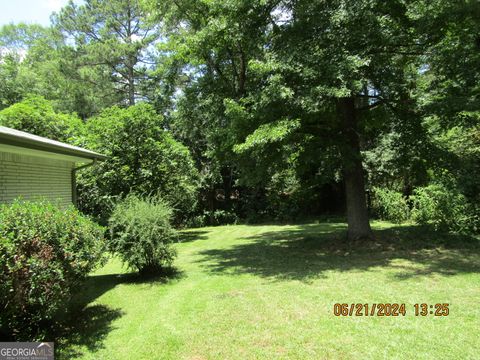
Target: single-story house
(33, 167)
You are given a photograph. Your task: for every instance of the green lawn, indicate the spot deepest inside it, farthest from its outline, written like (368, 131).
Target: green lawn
(267, 292)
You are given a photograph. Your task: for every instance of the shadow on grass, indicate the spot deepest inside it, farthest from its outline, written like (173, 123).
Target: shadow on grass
(192, 235)
(310, 251)
(89, 328)
(88, 325)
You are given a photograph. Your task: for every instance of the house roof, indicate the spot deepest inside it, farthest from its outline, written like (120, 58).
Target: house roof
(21, 139)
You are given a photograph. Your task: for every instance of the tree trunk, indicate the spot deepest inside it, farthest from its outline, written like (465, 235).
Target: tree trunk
(357, 213)
(131, 84)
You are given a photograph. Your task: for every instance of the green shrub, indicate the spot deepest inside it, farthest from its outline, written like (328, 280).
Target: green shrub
(37, 116)
(141, 234)
(390, 205)
(197, 221)
(213, 218)
(284, 196)
(45, 252)
(444, 208)
(144, 158)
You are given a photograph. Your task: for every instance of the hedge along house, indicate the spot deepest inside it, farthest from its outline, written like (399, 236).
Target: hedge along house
(33, 167)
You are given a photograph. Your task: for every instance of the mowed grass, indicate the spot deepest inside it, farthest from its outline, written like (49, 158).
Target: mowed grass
(268, 292)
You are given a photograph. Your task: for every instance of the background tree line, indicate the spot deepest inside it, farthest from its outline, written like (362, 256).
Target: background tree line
(258, 110)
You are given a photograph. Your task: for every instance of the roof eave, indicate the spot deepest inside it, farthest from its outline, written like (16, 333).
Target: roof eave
(35, 145)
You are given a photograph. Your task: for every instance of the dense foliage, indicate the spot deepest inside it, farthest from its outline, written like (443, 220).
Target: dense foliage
(45, 253)
(36, 115)
(213, 218)
(439, 205)
(287, 108)
(390, 205)
(112, 45)
(142, 235)
(142, 158)
(445, 208)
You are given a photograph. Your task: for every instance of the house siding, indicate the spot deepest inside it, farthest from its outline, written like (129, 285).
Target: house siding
(32, 177)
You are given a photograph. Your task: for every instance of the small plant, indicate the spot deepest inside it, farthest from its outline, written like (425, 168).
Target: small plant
(142, 234)
(45, 253)
(390, 205)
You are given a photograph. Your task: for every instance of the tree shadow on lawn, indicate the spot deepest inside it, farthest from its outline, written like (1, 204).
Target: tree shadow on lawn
(192, 235)
(309, 251)
(88, 325)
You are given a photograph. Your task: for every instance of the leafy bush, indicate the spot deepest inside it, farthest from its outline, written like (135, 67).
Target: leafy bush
(443, 207)
(45, 252)
(213, 218)
(289, 197)
(143, 159)
(284, 195)
(141, 234)
(37, 116)
(390, 205)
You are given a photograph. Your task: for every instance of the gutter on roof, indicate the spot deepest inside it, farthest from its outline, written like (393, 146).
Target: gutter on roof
(13, 140)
